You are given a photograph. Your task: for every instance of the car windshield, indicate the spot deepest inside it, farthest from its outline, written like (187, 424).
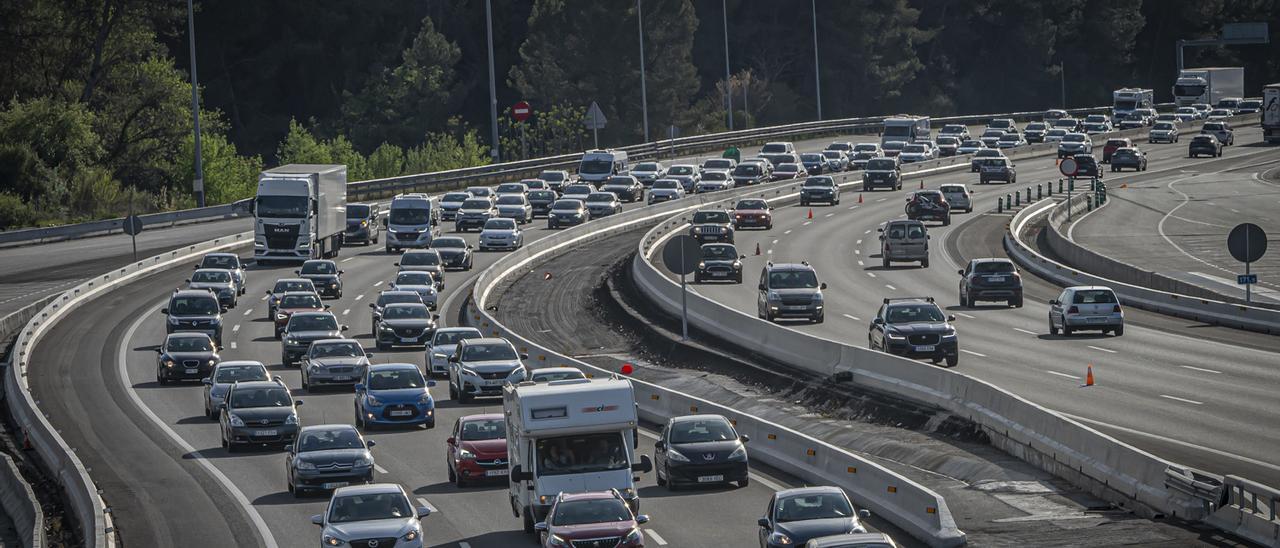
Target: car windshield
(715, 176)
(283, 207)
(409, 216)
(368, 507)
(357, 211)
(668, 184)
(582, 453)
(988, 153)
(1036, 126)
(1066, 122)
(910, 313)
(601, 197)
(500, 224)
(993, 133)
(1074, 138)
(488, 353)
(406, 312)
(710, 217)
(1094, 296)
(227, 374)
(895, 145)
(542, 195)
(811, 157)
(452, 337)
(754, 169)
(864, 147)
(205, 305)
(420, 258)
(972, 144)
(313, 322)
(947, 140)
(449, 243)
(952, 128)
(395, 379)
(952, 189)
(819, 182)
(1117, 142)
(991, 162)
(815, 506)
(319, 267)
(717, 164)
(325, 440)
(701, 431)
(483, 429)
(899, 231)
(1212, 127)
(719, 252)
(336, 350)
(211, 276)
(477, 203)
(414, 278)
(569, 205)
(1057, 132)
(1163, 125)
(596, 166)
(454, 197)
(548, 376)
(577, 190)
(552, 176)
(1250, 104)
(883, 164)
(309, 300)
(793, 279)
(228, 262)
(385, 299)
(646, 166)
(512, 188)
(788, 168)
(275, 396)
(511, 199)
(751, 204)
(992, 267)
(1010, 137)
(680, 170)
(914, 148)
(293, 285)
(1124, 152)
(189, 344)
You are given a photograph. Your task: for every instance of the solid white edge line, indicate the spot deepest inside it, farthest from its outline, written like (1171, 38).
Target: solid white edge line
(1219, 452)
(656, 537)
(122, 370)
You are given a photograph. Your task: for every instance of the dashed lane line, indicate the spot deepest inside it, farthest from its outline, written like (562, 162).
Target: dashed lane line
(963, 315)
(1183, 400)
(1020, 330)
(973, 353)
(346, 311)
(852, 317)
(379, 283)
(1107, 350)
(235, 328)
(891, 288)
(656, 537)
(1062, 374)
(424, 502)
(248, 312)
(1193, 368)
(872, 274)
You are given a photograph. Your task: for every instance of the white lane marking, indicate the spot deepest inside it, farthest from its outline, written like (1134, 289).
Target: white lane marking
(1234, 210)
(233, 345)
(770, 252)
(807, 223)
(380, 469)
(265, 297)
(1062, 374)
(852, 317)
(121, 359)
(857, 252)
(656, 537)
(872, 274)
(1108, 350)
(853, 207)
(963, 315)
(868, 231)
(378, 283)
(1184, 400)
(422, 501)
(346, 311)
(1241, 458)
(973, 353)
(787, 232)
(235, 328)
(891, 288)
(860, 263)
(859, 242)
(775, 241)
(830, 214)
(881, 200)
(360, 296)
(1193, 368)
(249, 311)
(1021, 330)
(346, 259)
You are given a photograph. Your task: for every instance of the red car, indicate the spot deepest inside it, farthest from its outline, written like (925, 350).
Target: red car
(477, 449)
(1113, 145)
(296, 301)
(752, 212)
(602, 517)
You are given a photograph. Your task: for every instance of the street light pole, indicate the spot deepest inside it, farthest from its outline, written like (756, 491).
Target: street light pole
(493, 89)
(817, 69)
(644, 100)
(197, 185)
(728, 84)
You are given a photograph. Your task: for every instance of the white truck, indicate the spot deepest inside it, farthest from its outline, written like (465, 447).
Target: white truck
(572, 436)
(598, 165)
(1208, 85)
(1125, 101)
(905, 128)
(410, 222)
(300, 212)
(1271, 113)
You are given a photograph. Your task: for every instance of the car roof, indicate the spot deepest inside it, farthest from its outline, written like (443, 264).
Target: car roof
(805, 491)
(483, 416)
(457, 330)
(335, 340)
(399, 291)
(789, 266)
(702, 417)
(327, 427)
(992, 260)
(564, 369)
(292, 293)
(392, 366)
(485, 340)
(851, 539)
(193, 293)
(1089, 288)
(221, 255)
(261, 384)
(304, 280)
(316, 313)
(369, 489)
(315, 261)
(588, 495)
(187, 335)
(406, 305)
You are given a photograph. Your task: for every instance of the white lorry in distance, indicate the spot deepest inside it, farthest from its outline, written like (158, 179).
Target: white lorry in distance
(1125, 101)
(410, 221)
(1208, 85)
(598, 165)
(907, 129)
(572, 435)
(1271, 113)
(300, 212)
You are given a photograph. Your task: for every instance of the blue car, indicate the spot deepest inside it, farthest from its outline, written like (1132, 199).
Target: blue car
(394, 394)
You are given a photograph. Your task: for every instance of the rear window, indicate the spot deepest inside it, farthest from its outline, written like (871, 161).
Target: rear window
(992, 267)
(1094, 296)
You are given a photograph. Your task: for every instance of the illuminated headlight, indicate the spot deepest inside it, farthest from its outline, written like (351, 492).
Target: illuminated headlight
(676, 456)
(364, 223)
(702, 264)
(236, 420)
(894, 336)
(291, 419)
(372, 400)
(779, 538)
(439, 357)
(384, 327)
(737, 264)
(330, 540)
(555, 541)
(304, 465)
(739, 454)
(949, 334)
(465, 454)
(212, 363)
(411, 535)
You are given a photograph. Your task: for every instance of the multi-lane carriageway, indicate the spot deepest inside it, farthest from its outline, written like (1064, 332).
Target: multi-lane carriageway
(155, 456)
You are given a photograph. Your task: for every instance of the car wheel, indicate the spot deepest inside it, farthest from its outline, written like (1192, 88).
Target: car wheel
(884, 262)
(671, 484)
(528, 519)
(953, 360)
(160, 378)
(946, 221)
(819, 318)
(1119, 331)
(453, 475)
(657, 477)
(453, 392)
(464, 397)
(924, 263)
(1066, 331)
(1016, 303)
(964, 303)
(744, 482)
(306, 384)
(457, 479)
(359, 422)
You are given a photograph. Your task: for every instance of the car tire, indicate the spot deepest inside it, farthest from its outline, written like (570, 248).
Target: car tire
(359, 420)
(160, 378)
(946, 221)
(528, 519)
(744, 482)
(453, 392)
(1016, 303)
(306, 385)
(464, 397)
(1066, 331)
(924, 263)
(952, 361)
(657, 477)
(884, 262)
(1119, 331)
(964, 302)
(1053, 329)
(457, 479)
(820, 318)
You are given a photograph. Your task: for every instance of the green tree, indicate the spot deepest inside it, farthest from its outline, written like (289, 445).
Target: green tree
(547, 132)
(342, 152)
(443, 151)
(143, 115)
(227, 175)
(43, 142)
(386, 161)
(300, 146)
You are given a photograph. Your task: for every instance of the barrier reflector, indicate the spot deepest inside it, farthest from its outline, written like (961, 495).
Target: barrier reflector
(811, 452)
(852, 469)
(773, 436)
(893, 489)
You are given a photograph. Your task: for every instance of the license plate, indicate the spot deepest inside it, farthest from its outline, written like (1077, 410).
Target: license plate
(709, 479)
(341, 378)
(925, 348)
(501, 472)
(266, 433)
(713, 274)
(493, 383)
(401, 413)
(996, 279)
(191, 370)
(408, 339)
(335, 484)
(1096, 320)
(801, 307)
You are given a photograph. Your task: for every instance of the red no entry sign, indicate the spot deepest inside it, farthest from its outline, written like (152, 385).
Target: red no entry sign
(521, 111)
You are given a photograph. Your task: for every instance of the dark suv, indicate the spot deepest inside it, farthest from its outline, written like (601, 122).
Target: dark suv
(719, 262)
(996, 169)
(712, 225)
(929, 205)
(324, 274)
(914, 327)
(819, 189)
(789, 290)
(990, 280)
(884, 172)
(1087, 166)
(194, 310)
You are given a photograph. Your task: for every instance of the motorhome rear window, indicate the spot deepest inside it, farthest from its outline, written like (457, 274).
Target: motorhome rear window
(549, 413)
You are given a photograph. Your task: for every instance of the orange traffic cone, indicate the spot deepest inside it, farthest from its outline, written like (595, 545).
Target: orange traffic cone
(811, 213)
(859, 197)
(26, 441)
(757, 248)
(1088, 376)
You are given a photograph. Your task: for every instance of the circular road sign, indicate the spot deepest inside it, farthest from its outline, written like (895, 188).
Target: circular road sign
(132, 225)
(521, 111)
(682, 254)
(1069, 167)
(1247, 242)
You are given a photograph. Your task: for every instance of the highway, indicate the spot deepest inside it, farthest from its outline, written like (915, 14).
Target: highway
(1170, 386)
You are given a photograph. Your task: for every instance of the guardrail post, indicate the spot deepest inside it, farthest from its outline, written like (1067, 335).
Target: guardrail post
(1059, 186)
(1088, 200)
(999, 205)
(1028, 195)
(1017, 198)
(1039, 191)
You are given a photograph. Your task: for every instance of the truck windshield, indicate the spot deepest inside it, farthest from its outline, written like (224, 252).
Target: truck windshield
(357, 211)
(595, 166)
(581, 454)
(409, 216)
(1192, 90)
(286, 207)
(896, 130)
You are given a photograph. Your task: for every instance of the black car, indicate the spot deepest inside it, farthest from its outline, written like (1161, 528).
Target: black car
(712, 225)
(454, 252)
(700, 449)
(1087, 166)
(914, 327)
(388, 298)
(1204, 144)
(567, 212)
(405, 324)
(362, 224)
(749, 174)
(282, 286)
(541, 201)
(882, 172)
(424, 260)
(990, 280)
(194, 310)
(929, 205)
(185, 356)
(328, 456)
(1128, 157)
(625, 187)
(324, 274)
(795, 516)
(305, 328)
(258, 413)
(819, 189)
(719, 262)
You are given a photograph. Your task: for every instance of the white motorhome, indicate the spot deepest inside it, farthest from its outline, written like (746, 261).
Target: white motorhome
(1125, 101)
(598, 165)
(1271, 113)
(571, 436)
(905, 128)
(300, 212)
(1208, 85)
(410, 221)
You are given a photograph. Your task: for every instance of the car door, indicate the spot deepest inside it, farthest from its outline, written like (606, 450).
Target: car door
(917, 240)
(768, 516)
(762, 293)
(452, 450)
(1056, 310)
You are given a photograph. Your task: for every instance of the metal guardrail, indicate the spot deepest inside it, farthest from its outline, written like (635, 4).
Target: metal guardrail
(1251, 511)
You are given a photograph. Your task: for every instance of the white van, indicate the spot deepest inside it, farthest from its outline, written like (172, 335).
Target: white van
(410, 221)
(598, 165)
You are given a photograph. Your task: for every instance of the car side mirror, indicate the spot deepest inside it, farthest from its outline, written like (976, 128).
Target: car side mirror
(424, 511)
(822, 285)
(645, 465)
(384, 221)
(268, 292)
(961, 271)
(524, 356)
(396, 264)
(317, 519)
(951, 318)
(864, 514)
(345, 327)
(188, 280)
(370, 444)
(540, 527)
(451, 440)
(518, 474)
(368, 354)
(206, 381)
(453, 359)
(298, 272)
(431, 384)
(878, 321)
(298, 402)
(327, 306)
(373, 305)
(881, 229)
(435, 317)
(642, 518)
(341, 272)
(744, 438)
(763, 522)
(742, 256)
(761, 287)
(469, 246)
(660, 445)
(223, 308)
(1053, 302)
(359, 387)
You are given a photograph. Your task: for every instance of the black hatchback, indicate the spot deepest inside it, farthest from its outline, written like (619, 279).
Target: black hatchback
(700, 449)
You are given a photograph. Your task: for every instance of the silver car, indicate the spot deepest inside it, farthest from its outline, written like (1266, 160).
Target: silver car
(444, 343)
(507, 189)
(665, 190)
(367, 515)
(904, 241)
(421, 282)
(603, 204)
(1073, 144)
(449, 204)
(688, 175)
(226, 261)
(501, 234)
(714, 181)
(223, 376)
(1083, 308)
(648, 172)
(958, 196)
(516, 207)
(333, 362)
(217, 281)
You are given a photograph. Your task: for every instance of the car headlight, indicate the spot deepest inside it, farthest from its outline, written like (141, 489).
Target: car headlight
(739, 454)
(702, 264)
(363, 461)
(384, 327)
(634, 536)
(737, 264)
(697, 230)
(949, 334)
(172, 320)
(304, 465)
(779, 538)
(291, 419)
(469, 372)
(894, 336)
(413, 534)
(674, 455)
(330, 540)
(236, 420)
(372, 400)
(425, 398)
(168, 363)
(555, 541)
(439, 357)
(364, 223)
(211, 363)
(465, 454)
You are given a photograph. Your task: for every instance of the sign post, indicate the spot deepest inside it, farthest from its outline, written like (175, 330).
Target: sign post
(681, 256)
(595, 121)
(520, 112)
(1069, 167)
(1247, 243)
(132, 226)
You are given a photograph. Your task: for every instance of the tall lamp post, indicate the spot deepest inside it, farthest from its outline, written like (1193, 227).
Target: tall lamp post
(644, 99)
(817, 69)
(728, 84)
(197, 185)
(493, 89)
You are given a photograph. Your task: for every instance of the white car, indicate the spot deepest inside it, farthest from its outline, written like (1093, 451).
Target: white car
(1011, 140)
(501, 234)
(665, 190)
(1085, 308)
(1163, 132)
(713, 181)
(648, 172)
(1185, 114)
(505, 189)
(444, 343)
(1218, 114)
(1054, 135)
(958, 196)
(420, 282)
(970, 146)
(917, 152)
(366, 513)
(1075, 143)
(515, 206)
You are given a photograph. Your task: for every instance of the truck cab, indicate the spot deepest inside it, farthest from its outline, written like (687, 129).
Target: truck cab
(598, 165)
(906, 129)
(410, 221)
(570, 436)
(300, 212)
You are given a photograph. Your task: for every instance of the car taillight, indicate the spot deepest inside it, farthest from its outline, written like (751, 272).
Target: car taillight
(1115, 309)
(1073, 310)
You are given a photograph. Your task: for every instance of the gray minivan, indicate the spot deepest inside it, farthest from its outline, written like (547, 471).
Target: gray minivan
(904, 241)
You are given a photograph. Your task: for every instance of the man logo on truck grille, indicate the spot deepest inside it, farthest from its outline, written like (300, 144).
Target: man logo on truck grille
(599, 408)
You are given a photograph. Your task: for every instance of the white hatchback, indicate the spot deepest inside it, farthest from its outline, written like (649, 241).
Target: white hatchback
(1086, 308)
(958, 196)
